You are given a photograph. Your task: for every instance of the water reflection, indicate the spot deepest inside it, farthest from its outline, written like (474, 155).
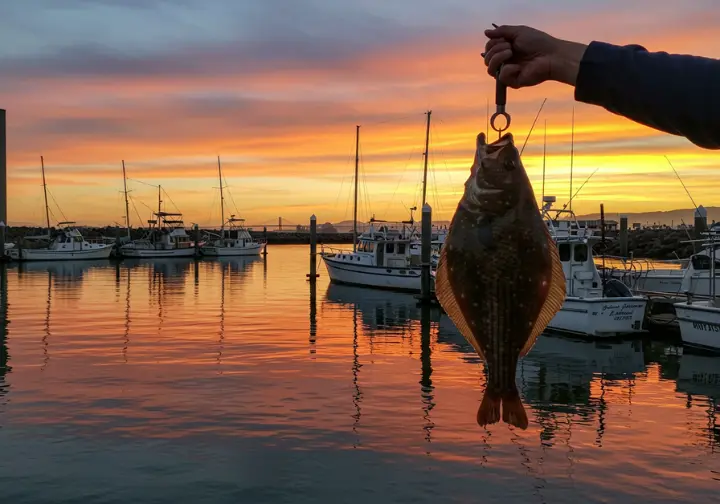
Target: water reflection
(4, 355)
(237, 381)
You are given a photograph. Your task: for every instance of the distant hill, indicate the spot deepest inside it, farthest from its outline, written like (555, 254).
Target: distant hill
(670, 217)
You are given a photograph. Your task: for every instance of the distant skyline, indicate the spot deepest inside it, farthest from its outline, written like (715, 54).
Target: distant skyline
(276, 88)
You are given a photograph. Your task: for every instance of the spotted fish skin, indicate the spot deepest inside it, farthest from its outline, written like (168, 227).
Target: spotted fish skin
(499, 278)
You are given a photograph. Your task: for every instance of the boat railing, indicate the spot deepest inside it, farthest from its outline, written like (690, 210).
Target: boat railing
(333, 251)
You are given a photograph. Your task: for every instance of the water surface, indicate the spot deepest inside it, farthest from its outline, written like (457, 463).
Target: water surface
(232, 381)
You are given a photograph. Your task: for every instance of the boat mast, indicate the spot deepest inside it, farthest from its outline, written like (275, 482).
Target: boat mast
(357, 165)
(127, 205)
(222, 200)
(159, 206)
(572, 152)
(427, 145)
(47, 208)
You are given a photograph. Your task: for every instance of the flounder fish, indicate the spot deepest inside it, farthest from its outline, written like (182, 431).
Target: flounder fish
(499, 277)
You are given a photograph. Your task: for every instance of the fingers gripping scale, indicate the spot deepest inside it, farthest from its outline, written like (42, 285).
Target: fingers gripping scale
(500, 101)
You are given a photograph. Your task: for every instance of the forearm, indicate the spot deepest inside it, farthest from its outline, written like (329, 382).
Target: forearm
(677, 94)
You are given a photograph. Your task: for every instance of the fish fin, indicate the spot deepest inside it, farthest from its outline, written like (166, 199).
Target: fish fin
(446, 296)
(489, 411)
(553, 300)
(513, 411)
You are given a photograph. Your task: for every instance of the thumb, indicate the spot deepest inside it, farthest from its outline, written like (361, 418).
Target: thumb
(506, 32)
(510, 75)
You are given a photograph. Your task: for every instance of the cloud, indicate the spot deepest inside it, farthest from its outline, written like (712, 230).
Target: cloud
(276, 88)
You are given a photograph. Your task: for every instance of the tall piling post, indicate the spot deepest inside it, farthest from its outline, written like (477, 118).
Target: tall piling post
(3, 181)
(196, 233)
(623, 236)
(264, 251)
(426, 239)
(313, 249)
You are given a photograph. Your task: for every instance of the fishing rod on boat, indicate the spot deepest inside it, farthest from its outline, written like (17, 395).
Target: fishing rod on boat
(681, 182)
(697, 210)
(578, 191)
(533, 126)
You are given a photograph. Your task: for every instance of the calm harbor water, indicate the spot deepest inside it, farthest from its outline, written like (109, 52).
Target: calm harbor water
(230, 381)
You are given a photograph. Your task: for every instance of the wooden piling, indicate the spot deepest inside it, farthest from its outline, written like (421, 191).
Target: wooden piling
(196, 230)
(313, 249)
(623, 236)
(426, 239)
(3, 181)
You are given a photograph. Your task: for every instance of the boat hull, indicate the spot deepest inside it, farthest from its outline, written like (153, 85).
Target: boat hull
(150, 253)
(600, 317)
(400, 279)
(65, 255)
(699, 325)
(252, 250)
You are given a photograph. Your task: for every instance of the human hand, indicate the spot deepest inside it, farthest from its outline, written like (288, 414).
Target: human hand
(530, 57)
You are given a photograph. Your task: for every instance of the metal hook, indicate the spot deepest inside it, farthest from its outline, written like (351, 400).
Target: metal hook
(500, 102)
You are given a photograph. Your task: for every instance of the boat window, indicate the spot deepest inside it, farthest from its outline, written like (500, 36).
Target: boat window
(401, 248)
(702, 262)
(581, 252)
(390, 248)
(565, 252)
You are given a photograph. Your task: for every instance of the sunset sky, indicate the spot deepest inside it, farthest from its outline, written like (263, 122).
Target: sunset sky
(276, 88)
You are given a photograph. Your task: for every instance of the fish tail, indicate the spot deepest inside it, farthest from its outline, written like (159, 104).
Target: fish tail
(489, 412)
(513, 411)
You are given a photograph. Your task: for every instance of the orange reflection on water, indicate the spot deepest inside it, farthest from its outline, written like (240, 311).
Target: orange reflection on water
(236, 348)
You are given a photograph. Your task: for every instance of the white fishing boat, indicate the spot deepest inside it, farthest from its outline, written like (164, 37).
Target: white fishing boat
(233, 239)
(383, 256)
(166, 238)
(594, 306)
(699, 319)
(68, 244)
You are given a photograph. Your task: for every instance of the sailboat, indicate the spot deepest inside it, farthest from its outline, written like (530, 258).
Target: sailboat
(382, 257)
(234, 239)
(66, 244)
(166, 236)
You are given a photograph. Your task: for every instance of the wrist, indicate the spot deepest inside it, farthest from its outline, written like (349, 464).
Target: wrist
(566, 61)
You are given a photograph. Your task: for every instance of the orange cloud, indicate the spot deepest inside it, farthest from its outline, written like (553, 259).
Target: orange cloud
(286, 133)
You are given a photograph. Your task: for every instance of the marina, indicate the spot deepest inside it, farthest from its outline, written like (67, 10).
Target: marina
(176, 376)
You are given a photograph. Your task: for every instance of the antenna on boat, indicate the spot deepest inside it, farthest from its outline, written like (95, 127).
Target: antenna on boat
(127, 205)
(47, 208)
(357, 165)
(427, 145)
(533, 126)
(572, 154)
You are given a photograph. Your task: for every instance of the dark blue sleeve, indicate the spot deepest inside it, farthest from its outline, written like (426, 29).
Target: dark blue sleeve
(675, 93)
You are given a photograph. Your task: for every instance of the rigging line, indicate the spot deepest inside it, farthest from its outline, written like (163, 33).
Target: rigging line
(364, 178)
(533, 126)
(56, 204)
(141, 182)
(345, 172)
(232, 198)
(402, 175)
(171, 201)
(442, 152)
(396, 119)
(136, 210)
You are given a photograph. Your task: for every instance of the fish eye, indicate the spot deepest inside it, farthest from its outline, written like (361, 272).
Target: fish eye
(509, 165)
